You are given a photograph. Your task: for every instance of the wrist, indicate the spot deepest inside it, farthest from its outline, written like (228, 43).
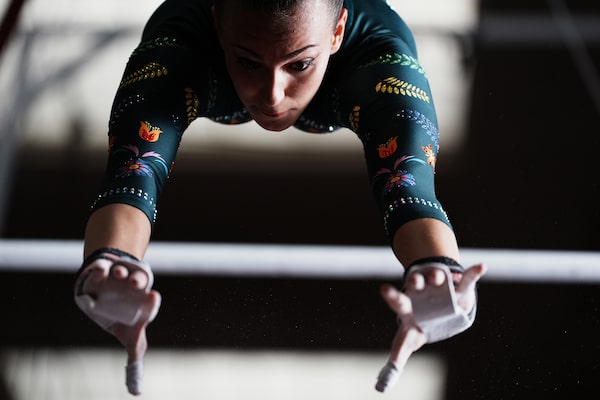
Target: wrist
(455, 267)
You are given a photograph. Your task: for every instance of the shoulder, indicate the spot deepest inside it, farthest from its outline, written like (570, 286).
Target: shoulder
(373, 28)
(190, 21)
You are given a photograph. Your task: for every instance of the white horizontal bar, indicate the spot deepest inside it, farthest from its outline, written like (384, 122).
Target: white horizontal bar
(307, 261)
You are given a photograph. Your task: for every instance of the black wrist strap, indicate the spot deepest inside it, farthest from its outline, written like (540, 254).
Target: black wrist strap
(99, 253)
(451, 263)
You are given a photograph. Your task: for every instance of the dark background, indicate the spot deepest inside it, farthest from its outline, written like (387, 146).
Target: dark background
(525, 178)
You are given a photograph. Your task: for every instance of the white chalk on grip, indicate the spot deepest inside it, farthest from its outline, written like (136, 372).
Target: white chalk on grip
(387, 377)
(134, 373)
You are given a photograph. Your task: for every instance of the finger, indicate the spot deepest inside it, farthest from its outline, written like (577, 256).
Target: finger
(98, 271)
(138, 279)
(134, 374)
(135, 342)
(136, 350)
(465, 291)
(396, 300)
(470, 277)
(119, 272)
(133, 337)
(92, 278)
(436, 277)
(406, 342)
(152, 306)
(416, 281)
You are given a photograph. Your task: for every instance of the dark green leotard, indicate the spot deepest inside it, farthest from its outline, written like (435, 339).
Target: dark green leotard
(374, 86)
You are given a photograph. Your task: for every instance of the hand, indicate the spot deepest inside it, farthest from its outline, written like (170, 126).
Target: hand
(410, 337)
(103, 276)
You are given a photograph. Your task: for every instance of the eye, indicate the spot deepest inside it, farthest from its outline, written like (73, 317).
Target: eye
(302, 65)
(247, 64)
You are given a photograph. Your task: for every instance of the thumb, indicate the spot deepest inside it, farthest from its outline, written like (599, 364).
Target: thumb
(470, 277)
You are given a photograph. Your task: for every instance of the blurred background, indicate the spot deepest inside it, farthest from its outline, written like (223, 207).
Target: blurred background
(517, 88)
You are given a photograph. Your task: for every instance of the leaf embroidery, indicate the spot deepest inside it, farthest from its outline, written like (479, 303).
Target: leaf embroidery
(148, 71)
(396, 86)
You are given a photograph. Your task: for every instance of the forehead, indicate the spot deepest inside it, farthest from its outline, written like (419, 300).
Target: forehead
(309, 21)
(276, 16)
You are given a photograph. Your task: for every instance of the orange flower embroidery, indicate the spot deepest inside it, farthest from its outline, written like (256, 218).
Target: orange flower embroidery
(148, 132)
(431, 158)
(386, 150)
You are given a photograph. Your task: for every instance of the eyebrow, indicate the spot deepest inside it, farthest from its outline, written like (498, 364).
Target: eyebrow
(287, 56)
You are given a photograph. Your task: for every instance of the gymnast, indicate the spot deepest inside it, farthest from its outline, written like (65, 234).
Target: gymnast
(317, 65)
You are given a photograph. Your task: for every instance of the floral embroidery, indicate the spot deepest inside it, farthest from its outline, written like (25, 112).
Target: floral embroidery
(400, 178)
(148, 132)
(431, 158)
(396, 86)
(389, 148)
(134, 168)
(140, 165)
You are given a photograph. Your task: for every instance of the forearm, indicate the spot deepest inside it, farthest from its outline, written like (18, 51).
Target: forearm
(424, 237)
(118, 226)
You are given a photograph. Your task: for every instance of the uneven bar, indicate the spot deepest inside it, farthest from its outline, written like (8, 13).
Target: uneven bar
(304, 260)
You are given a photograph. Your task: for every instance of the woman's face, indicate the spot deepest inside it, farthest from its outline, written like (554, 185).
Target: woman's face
(277, 63)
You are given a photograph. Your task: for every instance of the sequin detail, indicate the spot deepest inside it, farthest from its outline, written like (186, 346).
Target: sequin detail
(396, 58)
(396, 86)
(148, 71)
(424, 122)
(406, 201)
(237, 117)
(314, 126)
(140, 193)
(123, 105)
(155, 43)
(213, 84)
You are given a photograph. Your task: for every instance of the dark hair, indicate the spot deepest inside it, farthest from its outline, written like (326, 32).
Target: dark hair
(281, 8)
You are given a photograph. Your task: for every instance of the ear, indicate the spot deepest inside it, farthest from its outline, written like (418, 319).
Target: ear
(338, 34)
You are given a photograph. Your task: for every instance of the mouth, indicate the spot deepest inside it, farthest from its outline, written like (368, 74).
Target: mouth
(274, 115)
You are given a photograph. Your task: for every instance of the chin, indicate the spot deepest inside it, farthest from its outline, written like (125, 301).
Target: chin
(275, 128)
(275, 125)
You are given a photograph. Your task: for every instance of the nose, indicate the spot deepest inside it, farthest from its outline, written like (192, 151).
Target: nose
(273, 88)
